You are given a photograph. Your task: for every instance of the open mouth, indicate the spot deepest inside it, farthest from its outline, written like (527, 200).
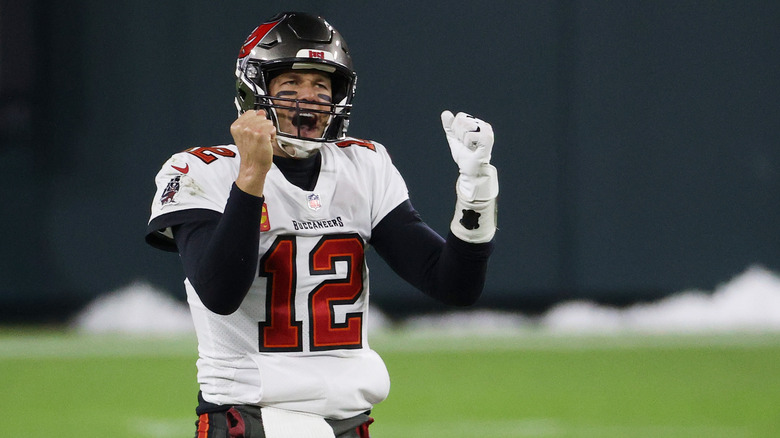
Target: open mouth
(304, 120)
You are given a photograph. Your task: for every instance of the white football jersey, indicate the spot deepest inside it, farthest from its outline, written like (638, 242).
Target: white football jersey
(299, 339)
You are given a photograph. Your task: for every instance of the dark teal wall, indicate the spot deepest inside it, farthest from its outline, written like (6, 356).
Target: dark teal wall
(638, 143)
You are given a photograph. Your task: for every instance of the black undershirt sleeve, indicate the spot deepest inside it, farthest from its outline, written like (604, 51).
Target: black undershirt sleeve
(449, 270)
(220, 255)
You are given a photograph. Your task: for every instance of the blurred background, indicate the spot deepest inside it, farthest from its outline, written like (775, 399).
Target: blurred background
(638, 143)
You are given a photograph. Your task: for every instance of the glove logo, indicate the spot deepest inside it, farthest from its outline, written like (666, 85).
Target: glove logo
(470, 219)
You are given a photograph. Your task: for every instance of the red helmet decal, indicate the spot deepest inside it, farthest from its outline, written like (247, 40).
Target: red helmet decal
(258, 34)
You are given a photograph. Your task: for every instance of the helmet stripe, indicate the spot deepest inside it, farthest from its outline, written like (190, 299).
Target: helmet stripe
(256, 36)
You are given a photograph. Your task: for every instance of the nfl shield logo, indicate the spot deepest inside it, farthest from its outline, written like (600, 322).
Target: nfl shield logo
(314, 201)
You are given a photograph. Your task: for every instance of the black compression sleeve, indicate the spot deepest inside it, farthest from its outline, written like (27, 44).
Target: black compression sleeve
(220, 255)
(449, 270)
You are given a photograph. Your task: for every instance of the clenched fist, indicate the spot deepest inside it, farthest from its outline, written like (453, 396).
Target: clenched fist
(471, 144)
(255, 137)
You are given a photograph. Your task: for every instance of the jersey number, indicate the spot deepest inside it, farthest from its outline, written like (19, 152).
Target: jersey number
(282, 331)
(209, 154)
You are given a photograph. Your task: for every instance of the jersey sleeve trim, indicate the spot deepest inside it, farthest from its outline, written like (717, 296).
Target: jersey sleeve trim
(159, 234)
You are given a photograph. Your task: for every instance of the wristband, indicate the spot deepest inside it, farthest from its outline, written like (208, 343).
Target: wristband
(480, 187)
(474, 222)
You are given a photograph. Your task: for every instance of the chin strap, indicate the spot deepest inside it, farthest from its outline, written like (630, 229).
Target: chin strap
(298, 148)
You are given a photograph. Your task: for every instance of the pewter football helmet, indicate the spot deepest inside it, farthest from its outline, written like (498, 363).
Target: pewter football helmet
(291, 41)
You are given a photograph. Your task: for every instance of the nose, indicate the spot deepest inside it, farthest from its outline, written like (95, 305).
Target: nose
(307, 92)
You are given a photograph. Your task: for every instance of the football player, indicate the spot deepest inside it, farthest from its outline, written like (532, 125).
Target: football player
(272, 232)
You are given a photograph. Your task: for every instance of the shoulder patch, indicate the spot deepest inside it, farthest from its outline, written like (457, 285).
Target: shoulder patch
(169, 194)
(356, 142)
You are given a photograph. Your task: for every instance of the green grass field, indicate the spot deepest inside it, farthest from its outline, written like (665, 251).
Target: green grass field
(530, 385)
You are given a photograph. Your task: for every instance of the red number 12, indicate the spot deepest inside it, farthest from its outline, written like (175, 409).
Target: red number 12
(282, 331)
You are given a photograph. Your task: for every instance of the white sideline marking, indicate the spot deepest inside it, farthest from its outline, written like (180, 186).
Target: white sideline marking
(59, 345)
(527, 427)
(31, 346)
(402, 341)
(161, 427)
(547, 427)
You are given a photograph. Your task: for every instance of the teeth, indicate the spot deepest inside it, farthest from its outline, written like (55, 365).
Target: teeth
(307, 119)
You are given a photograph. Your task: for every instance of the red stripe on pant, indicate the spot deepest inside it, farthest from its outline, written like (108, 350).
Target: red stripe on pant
(362, 430)
(203, 426)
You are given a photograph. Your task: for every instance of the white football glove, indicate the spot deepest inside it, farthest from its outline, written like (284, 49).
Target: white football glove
(471, 145)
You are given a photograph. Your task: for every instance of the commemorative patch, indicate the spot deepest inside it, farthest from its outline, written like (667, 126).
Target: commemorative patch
(169, 194)
(265, 225)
